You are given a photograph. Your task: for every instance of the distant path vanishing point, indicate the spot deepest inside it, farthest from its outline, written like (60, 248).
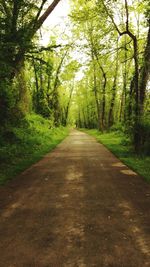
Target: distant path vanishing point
(77, 207)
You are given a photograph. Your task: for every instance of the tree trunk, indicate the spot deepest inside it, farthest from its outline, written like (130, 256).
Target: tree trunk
(103, 99)
(123, 111)
(13, 52)
(145, 72)
(36, 85)
(95, 92)
(112, 103)
(103, 91)
(55, 98)
(68, 105)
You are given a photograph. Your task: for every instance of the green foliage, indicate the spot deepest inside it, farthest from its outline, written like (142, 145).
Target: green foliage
(119, 127)
(144, 127)
(114, 82)
(24, 145)
(19, 22)
(40, 103)
(10, 110)
(88, 83)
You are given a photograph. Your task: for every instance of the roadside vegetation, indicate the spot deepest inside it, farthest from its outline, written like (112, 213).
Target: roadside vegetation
(94, 72)
(24, 145)
(120, 145)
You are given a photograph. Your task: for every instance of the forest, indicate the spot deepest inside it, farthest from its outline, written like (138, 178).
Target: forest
(92, 74)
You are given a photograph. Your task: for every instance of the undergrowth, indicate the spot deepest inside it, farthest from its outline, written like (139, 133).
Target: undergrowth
(20, 147)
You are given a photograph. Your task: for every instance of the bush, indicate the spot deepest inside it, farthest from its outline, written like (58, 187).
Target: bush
(119, 127)
(144, 128)
(21, 146)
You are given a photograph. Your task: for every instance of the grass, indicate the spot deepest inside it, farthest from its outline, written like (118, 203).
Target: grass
(23, 146)
(119, 145)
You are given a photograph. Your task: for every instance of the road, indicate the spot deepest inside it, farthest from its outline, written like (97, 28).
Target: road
(77, 207)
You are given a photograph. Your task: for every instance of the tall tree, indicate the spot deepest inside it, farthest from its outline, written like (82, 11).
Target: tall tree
(20, 20)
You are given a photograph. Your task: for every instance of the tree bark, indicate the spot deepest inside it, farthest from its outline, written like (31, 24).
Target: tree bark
(133, 37)
(112, 103)
(17, 61)
(46, 14)
(95, 93)
(55, 99)
(145, 72)
(67, 107)
(103, 91)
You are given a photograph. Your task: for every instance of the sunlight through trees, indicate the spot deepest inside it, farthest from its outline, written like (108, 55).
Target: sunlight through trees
(93, 73)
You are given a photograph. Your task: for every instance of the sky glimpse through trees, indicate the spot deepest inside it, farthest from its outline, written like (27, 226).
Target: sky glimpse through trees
(82, 63)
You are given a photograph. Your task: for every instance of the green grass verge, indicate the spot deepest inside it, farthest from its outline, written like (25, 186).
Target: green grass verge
(26, 145)
(119, 144)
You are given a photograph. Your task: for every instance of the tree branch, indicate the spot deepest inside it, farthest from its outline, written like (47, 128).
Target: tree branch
(111, 17)
(127, 15)
(58, 70)
(39, 11)
(127, 31)
(36, 58)
(46, 14)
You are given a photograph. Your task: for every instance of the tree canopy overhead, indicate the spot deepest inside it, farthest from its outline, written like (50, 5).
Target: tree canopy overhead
(96, 75)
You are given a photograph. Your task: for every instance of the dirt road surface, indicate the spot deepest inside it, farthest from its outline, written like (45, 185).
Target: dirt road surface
(77, 207)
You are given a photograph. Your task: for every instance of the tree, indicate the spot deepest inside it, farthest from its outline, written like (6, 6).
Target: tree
(20, 20)
(139, 91)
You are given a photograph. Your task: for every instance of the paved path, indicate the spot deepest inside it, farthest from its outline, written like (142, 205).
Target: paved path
(77, 207)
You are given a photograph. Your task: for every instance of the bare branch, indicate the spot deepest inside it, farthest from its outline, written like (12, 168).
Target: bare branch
(36, 58)
(46, 13)
(40, 10)
(127, 15)
(111, 17)
(49, 48)
(127, 31)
